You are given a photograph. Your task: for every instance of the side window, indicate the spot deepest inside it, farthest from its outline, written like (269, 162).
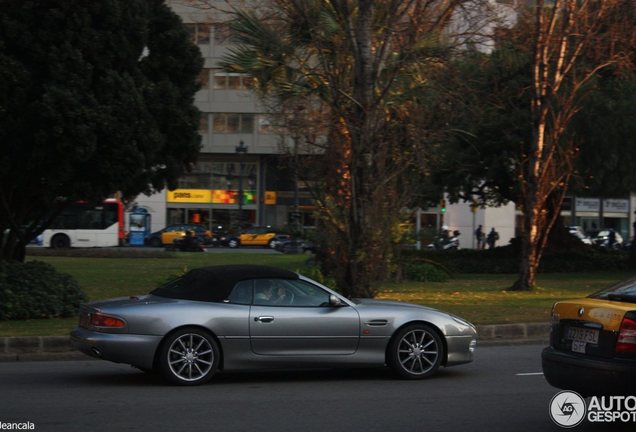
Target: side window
(241, 293)
(290, 293)
(307, 294)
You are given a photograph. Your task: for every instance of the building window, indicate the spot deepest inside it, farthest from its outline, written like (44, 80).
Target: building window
(199, 33)
(265, 124)
(220, 175)
(204, 79)
(232, 123)
(203, 123)
(232, 81)
(221, 33)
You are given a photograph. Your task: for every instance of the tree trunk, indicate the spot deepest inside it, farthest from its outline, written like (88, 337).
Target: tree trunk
(12, 248)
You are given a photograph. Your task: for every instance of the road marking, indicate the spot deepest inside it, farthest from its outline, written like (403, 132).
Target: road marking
(529, 374)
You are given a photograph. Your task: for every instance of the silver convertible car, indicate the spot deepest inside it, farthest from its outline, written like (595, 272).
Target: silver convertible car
(249, 317)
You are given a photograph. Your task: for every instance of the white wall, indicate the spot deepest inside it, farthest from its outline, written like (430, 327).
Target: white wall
(459, 217)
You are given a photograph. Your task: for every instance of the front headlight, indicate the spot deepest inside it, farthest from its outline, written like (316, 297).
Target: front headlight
(462, 321)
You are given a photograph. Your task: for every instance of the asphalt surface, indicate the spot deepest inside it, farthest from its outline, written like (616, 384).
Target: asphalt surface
(502, 390)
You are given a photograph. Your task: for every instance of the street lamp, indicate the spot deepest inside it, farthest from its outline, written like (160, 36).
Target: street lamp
(241, 150)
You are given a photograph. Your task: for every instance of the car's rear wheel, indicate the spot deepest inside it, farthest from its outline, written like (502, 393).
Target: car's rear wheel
(416, 352)
(189, 357)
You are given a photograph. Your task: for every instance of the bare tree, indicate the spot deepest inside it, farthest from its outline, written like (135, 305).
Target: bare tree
(573, 41)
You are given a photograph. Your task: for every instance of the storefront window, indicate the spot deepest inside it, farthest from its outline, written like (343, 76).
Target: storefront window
(199, 216)
(176, 216)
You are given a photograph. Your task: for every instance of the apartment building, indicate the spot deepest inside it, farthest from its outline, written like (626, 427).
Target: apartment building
(241, 153)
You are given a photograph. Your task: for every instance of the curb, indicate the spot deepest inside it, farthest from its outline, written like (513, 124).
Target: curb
(45, 348)
(513, 334)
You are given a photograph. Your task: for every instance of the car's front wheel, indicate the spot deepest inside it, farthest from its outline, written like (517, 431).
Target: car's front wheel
(189, 357)
(415, 352)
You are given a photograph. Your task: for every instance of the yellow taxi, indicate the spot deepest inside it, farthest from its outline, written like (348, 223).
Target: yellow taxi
(593, 343)
(262, 236)
(168, 235)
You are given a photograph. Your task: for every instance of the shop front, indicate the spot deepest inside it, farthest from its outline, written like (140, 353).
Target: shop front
(595, 214)
(215, 207)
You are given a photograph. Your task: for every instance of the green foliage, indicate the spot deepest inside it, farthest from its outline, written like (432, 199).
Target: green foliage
(425, 272)
(95, 97)
(604, 127)
(36, 290)
(316, 274)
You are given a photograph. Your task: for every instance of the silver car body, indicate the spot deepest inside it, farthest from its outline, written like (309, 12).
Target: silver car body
(356, 333)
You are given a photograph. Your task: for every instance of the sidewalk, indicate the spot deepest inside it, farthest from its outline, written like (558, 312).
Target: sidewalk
(40, 348)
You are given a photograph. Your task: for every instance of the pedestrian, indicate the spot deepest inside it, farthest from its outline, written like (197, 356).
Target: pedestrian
(493, 236)
(479, 236)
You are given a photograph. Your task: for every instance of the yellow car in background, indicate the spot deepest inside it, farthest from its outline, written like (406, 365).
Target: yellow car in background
(258, 236)
(167, 235)
(593, 343)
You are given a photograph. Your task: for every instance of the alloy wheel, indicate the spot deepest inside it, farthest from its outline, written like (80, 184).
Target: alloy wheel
(191, 357)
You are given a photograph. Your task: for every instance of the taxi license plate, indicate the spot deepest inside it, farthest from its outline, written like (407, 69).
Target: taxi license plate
(580, 337)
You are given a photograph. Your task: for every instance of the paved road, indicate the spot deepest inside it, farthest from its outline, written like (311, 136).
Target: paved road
(487, 395)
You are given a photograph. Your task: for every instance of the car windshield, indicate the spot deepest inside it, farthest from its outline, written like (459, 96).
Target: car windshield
(622, 291)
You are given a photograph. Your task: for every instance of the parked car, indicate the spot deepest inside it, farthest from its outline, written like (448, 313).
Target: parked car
(577, 232)
(257, 236)
(593, 343)
(295, 246)
(261, 317)
(602, 239)
(167, 235)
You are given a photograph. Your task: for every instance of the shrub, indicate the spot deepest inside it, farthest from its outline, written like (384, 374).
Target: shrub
(506, 260)
(36, 290)
(425, 272)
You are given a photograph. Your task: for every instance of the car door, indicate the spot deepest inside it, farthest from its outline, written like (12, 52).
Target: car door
(302, 325)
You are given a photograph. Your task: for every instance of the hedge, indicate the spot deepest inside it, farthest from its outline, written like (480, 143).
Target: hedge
(36, 290)
(506, 260)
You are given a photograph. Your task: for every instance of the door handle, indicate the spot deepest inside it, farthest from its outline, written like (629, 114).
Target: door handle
(264, 319)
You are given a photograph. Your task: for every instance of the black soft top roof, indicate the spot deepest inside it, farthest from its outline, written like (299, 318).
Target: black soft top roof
(214, 284)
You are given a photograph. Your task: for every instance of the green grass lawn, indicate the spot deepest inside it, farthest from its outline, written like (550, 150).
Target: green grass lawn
(481, 299)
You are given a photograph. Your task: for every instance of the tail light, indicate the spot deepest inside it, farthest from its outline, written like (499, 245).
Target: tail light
(97, 319)
(626, 342)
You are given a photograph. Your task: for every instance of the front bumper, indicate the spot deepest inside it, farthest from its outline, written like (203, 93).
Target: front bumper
(136, 350)
(460, 349)
(589, 376)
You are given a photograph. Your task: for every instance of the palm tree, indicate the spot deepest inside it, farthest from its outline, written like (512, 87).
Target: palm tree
(369, 63)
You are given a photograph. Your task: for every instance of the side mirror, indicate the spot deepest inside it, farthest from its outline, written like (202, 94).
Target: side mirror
(334, 301)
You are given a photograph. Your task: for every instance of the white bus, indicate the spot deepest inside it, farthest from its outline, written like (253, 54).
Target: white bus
(85, 225)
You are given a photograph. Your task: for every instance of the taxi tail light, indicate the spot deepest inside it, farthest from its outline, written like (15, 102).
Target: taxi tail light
(626, 342)
(102, 320)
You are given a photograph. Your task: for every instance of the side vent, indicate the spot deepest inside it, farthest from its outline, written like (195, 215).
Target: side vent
(377, 323)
